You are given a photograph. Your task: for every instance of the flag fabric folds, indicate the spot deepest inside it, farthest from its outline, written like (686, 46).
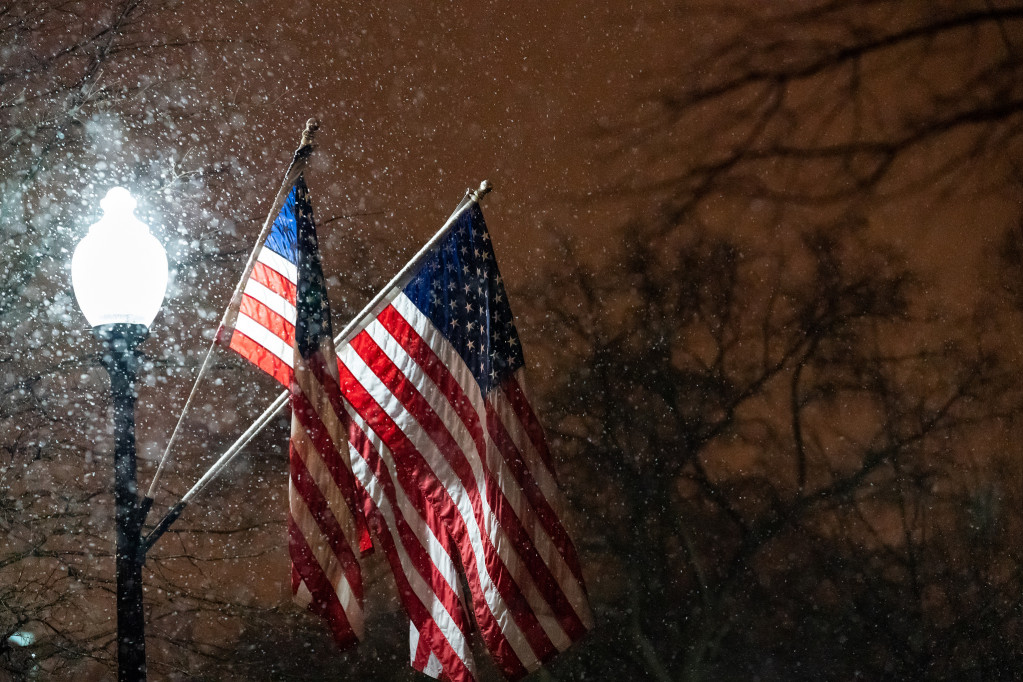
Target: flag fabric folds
(456, 468)
(451, 467)
(283, 326)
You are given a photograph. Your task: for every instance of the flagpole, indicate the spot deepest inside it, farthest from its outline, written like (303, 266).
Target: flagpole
(472, 196)
(258, 425)
(298, 165)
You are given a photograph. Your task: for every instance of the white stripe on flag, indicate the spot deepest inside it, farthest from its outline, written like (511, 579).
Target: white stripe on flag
(271, 299)
(495, 463)
(435, 460)
(282, 265)
(325, 557)
(303, 597)
(318, 469)
(433, 667)
(265, 338)
(440, 559)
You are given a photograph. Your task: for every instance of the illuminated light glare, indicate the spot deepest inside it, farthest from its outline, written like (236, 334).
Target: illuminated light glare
(22, 638)
(119, 270)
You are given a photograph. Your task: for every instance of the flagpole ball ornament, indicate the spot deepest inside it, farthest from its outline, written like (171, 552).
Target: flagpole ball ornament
(484, 189)
(311, 126)
(119, 270)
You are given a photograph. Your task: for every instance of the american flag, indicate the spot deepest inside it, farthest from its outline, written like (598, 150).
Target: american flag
(286, 285)
(454, 465)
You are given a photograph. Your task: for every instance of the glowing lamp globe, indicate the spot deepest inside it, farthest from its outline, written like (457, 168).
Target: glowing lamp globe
(119, 271)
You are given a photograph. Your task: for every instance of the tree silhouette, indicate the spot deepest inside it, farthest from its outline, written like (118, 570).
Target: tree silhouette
(765, 451)
(787, 454)
(833, 101)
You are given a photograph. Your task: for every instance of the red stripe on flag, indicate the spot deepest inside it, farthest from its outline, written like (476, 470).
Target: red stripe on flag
(524, 411)
(421, 657)
(324, 600)
(330, 385)
(563, 610)
(418, 554)
(274, 281)
(317, 504)
(338, 465)
(267, 317)
(413, 473)
(399, 385)
(431, 364)
(273, 321)
(429, 632)
(333, 454)
(524, 477)
(261, 357)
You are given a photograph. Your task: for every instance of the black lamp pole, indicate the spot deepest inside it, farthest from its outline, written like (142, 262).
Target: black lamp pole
(121, 357)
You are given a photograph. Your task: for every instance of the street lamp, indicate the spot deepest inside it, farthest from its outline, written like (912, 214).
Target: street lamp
(119, 275)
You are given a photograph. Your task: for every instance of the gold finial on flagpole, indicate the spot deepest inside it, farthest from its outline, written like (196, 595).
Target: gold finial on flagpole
(306, 145)
(477, 194)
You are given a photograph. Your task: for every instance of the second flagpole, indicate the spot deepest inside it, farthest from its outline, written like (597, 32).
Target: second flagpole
(296, 168)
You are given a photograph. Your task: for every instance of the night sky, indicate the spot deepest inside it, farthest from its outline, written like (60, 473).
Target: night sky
(551, 103)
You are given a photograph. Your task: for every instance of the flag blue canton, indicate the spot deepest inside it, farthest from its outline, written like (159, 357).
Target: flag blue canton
(459, 288)
(283, 236)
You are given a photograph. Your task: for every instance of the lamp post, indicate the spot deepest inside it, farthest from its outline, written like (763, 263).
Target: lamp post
(119, 275)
